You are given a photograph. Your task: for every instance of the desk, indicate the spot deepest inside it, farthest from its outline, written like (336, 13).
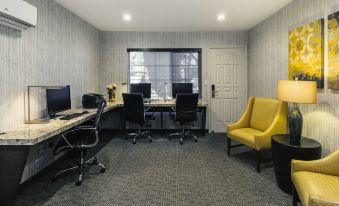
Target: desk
(15, 144)
(166, 106)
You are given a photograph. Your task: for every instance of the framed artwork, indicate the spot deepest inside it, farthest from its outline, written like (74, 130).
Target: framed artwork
(333, 51)
(306, 53)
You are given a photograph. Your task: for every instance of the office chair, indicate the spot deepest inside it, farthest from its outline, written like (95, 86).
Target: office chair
(186, 113)
(82, 142)
(134, 111)
(180, 88)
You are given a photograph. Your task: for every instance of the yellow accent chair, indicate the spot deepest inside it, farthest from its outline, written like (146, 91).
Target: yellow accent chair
(262, 118)
(316, 182)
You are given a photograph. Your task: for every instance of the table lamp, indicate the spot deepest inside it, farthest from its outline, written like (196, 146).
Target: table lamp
(296, 92)
(37, 121)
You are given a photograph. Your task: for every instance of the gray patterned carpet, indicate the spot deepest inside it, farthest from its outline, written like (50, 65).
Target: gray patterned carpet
(162, 173)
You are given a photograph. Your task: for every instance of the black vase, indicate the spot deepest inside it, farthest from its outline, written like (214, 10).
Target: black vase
(295, 124)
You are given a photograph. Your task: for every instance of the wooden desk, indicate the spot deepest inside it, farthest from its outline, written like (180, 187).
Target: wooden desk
(15, 144)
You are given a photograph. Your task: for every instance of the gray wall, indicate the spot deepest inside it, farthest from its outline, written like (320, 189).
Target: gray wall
(115, 44)
(268, 62)
(62, 49)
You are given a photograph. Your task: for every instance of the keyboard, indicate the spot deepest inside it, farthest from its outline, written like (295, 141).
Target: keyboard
(71, 116)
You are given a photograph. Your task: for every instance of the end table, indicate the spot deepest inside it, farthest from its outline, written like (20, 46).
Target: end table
(283, 152)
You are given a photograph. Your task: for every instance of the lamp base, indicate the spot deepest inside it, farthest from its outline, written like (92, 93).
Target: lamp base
(295, 124)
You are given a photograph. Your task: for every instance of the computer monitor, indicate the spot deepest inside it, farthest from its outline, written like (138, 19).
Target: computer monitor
(58, 100)
(181, 88)
(143, 88)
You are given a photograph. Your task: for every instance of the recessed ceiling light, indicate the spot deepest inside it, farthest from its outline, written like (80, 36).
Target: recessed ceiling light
(127, 17)
(221, 17)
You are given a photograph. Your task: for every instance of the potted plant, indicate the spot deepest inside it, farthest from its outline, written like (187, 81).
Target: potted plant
(111, 92)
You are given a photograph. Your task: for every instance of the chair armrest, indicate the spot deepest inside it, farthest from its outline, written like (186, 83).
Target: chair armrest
(85, 127)
(68, 145)
(328, 165)
(79, 128)
(244, 119)
(317, 200)
(278, 126)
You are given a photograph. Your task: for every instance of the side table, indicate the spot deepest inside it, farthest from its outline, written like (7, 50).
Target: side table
(283, 152)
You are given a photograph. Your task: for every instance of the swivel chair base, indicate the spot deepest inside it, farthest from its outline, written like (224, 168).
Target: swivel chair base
(140, 134)
(81, 167)
(182, 135)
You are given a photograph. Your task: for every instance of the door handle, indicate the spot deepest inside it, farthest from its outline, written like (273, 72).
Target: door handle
(213, 91)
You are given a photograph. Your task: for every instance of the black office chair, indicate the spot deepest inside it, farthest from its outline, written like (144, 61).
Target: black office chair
(81, 139)
(134, 111)
(180, 88)
(186, 113)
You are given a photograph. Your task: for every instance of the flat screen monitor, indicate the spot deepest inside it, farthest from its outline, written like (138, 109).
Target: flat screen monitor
(181, 88)
(143, 88)
(58, 100)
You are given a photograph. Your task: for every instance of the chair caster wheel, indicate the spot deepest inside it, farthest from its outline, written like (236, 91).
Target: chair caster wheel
(78, 183)
(181, 142)
(54, 179)
(102, 170)
(150, 140)
(95, 161)
(195, 140)
(134, 142)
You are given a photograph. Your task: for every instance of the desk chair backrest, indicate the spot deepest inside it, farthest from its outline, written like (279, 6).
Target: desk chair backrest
(81, 143)
(181, 88)
(100, 109)
(186, 108)
(134, 108)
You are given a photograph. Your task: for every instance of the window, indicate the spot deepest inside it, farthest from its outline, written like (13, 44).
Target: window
(162, 67)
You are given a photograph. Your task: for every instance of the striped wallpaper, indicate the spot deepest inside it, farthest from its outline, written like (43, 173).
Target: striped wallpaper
(268, 62)
(115, 44)
(62, 49)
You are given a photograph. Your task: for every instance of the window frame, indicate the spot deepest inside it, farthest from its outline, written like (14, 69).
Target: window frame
(172, 50)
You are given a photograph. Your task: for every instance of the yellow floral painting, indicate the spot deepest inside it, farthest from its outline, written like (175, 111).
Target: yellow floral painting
(306, 53)
(333, 51)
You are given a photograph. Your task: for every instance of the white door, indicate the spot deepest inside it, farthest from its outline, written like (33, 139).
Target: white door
(228, 86)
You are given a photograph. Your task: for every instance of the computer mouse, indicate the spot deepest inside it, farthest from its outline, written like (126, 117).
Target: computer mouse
(85, 112)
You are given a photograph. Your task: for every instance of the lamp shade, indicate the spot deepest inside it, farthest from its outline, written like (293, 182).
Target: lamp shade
(304, 92)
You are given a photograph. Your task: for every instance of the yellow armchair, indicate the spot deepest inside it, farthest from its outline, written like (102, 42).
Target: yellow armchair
(262, 118)
(316, 182)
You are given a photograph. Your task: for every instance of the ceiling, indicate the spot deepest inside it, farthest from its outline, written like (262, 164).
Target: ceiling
(174, 15)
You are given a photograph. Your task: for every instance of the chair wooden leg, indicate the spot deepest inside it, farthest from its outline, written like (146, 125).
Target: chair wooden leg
(228, 146)
(258, 161)
(294, 196)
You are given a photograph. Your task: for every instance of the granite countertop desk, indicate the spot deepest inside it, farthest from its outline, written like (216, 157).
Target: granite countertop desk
(31, 134)
(15, 143)
(170, 103)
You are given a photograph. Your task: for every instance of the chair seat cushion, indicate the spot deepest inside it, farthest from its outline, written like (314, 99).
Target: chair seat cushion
(310, 184)
(245, 136)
